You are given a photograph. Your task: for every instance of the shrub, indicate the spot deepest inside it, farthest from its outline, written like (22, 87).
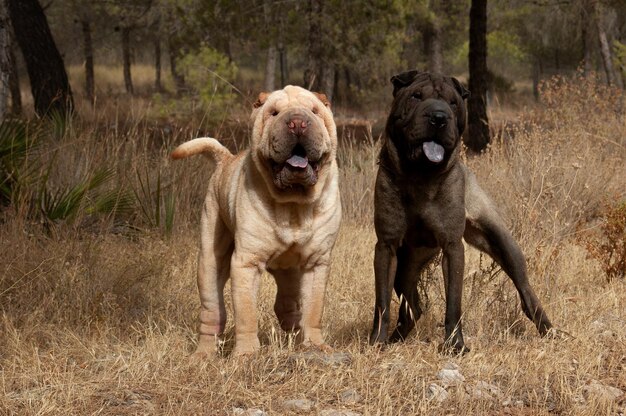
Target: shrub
(609, 248)
(208, 72)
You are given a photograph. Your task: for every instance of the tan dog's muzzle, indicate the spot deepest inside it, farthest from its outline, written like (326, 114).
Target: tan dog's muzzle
(297, 149)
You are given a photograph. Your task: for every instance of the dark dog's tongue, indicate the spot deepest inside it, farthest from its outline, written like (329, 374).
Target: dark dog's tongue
(298, 161)
(433, 151)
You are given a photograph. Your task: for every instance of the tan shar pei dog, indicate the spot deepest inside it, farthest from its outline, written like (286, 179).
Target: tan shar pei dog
(274, 207)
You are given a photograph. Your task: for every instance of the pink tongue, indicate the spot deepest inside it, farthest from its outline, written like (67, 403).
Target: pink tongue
(433, 151)
(298, 161)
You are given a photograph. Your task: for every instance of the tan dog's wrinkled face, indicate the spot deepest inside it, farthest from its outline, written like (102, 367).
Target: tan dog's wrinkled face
(295, 141)
(427, 117)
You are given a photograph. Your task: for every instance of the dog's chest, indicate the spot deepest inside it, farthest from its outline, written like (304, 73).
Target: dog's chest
(293, 232)
(434, 214)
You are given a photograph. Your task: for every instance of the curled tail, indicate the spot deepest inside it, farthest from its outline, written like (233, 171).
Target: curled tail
(207, 146)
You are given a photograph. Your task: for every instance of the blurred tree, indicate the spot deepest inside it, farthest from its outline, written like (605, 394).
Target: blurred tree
(84, 13)
(14, 79)
(129, 15)
(5, 58)
(270, 22)
(48, 79)
(315, 48)
(605, 49)
(477, 137)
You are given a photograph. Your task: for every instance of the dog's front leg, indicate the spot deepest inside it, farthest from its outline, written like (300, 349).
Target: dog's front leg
(385, 266)
(453, 265)
(245, 275)
(312, 292)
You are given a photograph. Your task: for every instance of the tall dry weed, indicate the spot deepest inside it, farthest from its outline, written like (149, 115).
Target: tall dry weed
(100, 317)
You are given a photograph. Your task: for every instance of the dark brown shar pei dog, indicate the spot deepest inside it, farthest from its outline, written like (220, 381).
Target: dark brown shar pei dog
(274, 207)
(426, 202)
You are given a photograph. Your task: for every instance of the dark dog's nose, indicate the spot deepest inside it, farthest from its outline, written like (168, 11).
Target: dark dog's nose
(438, 119)
(297, 125)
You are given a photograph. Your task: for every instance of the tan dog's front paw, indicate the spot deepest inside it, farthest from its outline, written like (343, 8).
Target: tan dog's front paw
(246, 346)
(207, 348)
(325, 348)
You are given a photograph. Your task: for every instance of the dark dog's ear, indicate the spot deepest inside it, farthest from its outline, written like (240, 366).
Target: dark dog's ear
(464, 92)
(261, 100)
(402, 80)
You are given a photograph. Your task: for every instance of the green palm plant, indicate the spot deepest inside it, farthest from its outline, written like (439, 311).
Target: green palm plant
(17, 142)
(156, 201)
(87, 196)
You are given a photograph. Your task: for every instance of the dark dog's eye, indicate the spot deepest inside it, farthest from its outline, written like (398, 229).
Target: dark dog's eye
(453, 104)
(416, 95)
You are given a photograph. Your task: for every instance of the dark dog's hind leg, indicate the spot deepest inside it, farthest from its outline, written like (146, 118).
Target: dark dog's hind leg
(411, 263)
(490, 236)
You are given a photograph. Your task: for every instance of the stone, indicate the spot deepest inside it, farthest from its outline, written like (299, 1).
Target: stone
(302, 405)
(248, 412)
(334, 359)
(597, 389)
(338, 412)
(350, 396)
(484, 390)
(437, 393)
(450, 377)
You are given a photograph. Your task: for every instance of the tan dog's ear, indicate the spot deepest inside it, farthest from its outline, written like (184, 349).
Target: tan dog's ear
(261, 100)
(322, 98)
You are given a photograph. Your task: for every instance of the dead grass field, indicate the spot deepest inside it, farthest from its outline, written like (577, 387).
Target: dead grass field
(98, 315)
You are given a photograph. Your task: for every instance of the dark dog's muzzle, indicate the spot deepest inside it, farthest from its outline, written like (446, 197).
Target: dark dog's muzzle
(438, 119)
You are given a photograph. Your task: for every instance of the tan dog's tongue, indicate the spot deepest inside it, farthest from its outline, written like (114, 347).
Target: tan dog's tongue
(298, 161)
(433, 151)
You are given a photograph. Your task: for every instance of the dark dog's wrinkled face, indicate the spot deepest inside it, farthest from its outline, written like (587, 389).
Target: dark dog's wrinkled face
(296, 137)
(427, 117)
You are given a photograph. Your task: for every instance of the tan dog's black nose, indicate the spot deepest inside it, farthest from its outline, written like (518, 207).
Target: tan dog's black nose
(297, 125)
(438, 119)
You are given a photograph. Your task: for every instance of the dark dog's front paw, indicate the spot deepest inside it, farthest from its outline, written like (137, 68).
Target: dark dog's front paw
(454, 346)
(447, 349)
(378, 336)
(398, 335)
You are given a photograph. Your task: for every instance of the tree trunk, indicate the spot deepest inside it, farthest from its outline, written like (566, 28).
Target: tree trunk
(282, 52)
(174, 53)
(327, 83)
(48, 79)
(14, 81)
(605, 51)
(282, 57)
(313, 72)
(478, 137)
(5, 59)
(128, 80)
(270, 69)
(536, 78)
(157, 65)
(586, 37)
(88, 52)
(431, 36)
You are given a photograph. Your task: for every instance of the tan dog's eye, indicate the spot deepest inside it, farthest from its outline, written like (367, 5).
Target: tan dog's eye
(316, 111)
(274, 112)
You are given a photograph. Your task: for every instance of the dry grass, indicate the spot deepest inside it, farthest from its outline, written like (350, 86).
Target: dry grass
(98, 316)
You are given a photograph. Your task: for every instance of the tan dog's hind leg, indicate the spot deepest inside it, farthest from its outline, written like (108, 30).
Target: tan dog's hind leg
(213, 272)
(245, 274)
(313, 290)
